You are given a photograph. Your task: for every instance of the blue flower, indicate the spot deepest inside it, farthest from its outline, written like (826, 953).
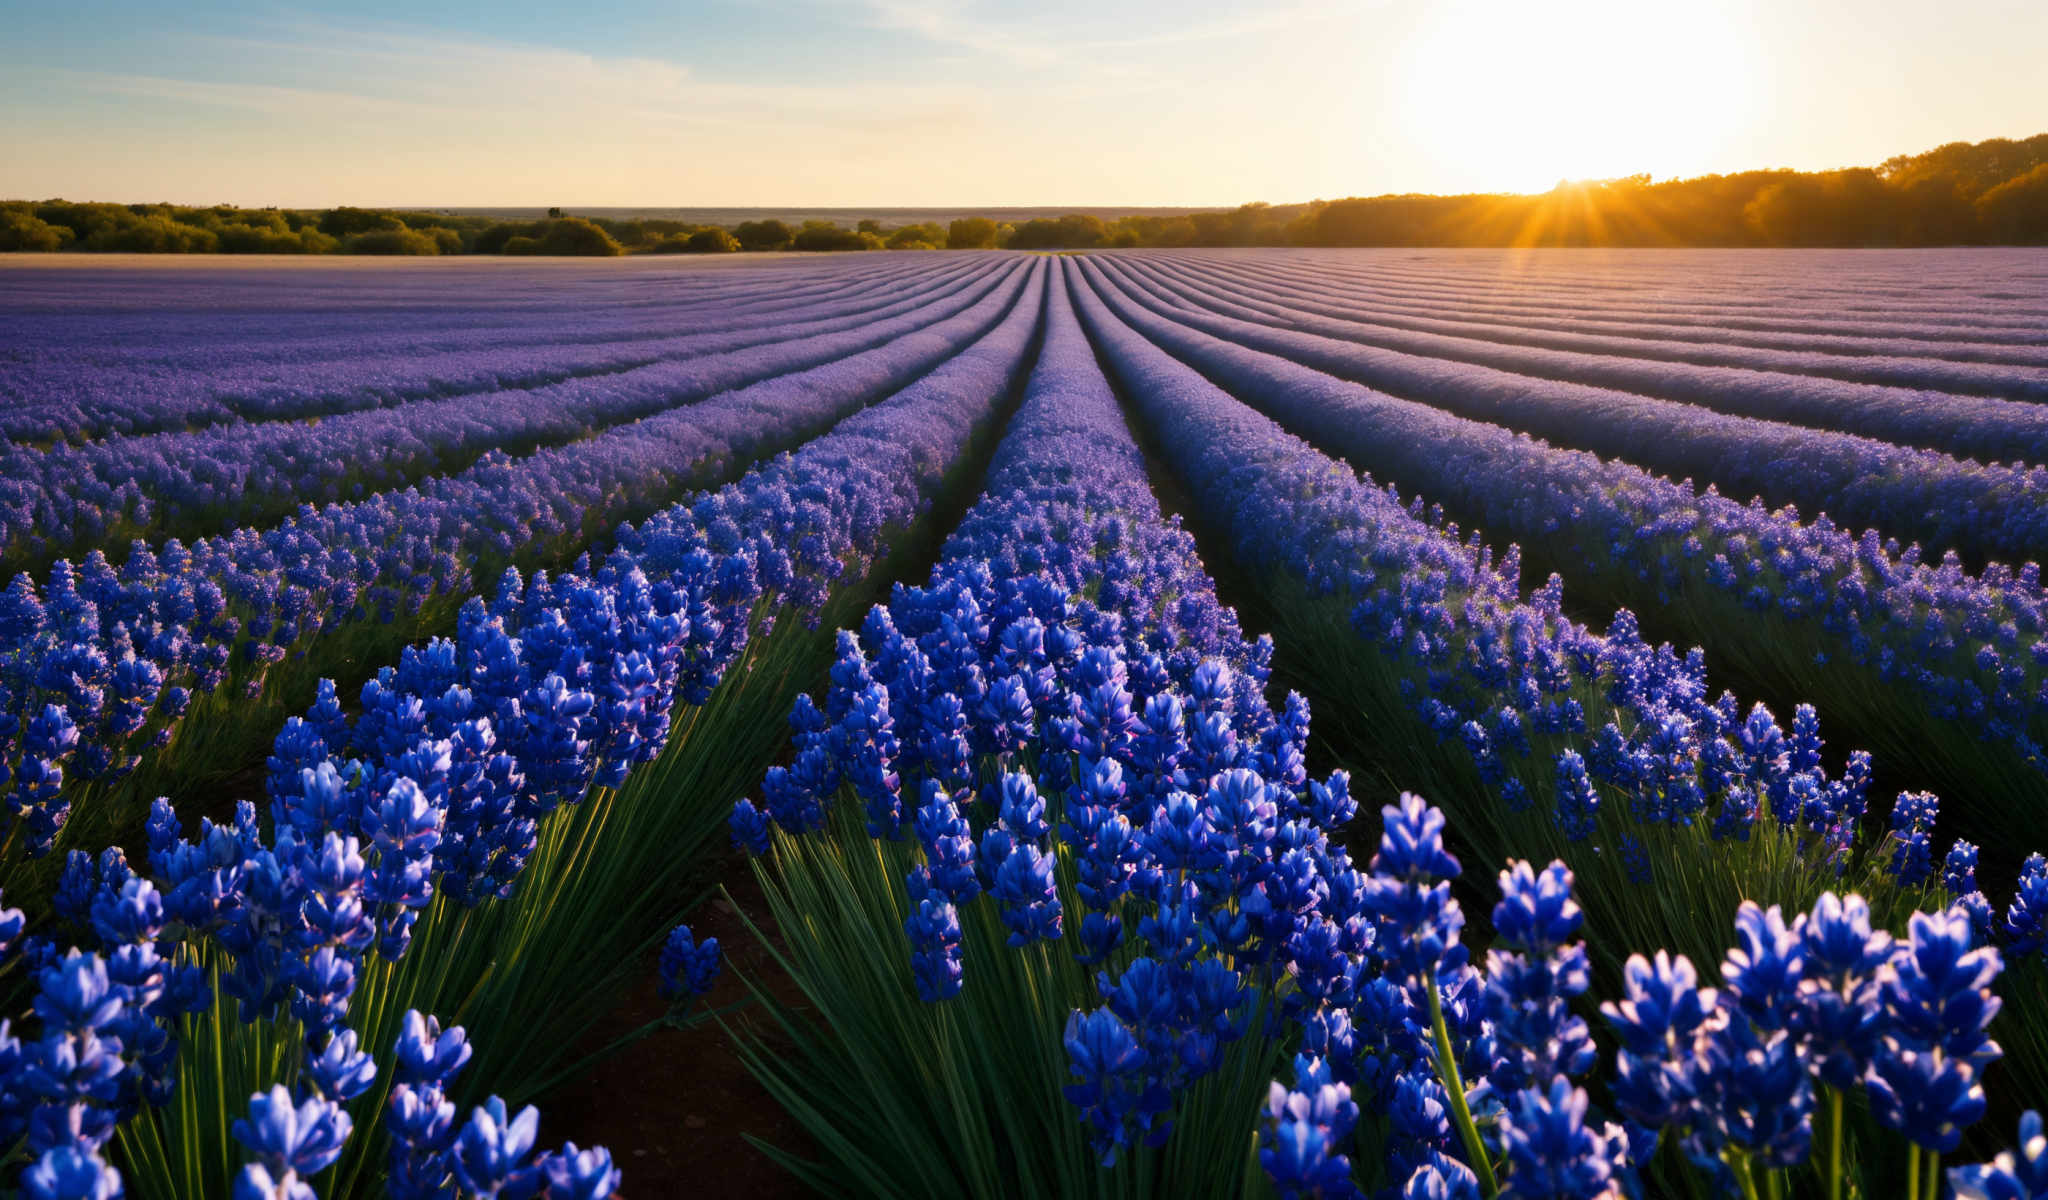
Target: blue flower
(1104, 1055)
(492, 1149)
(1656, 1022)
(1030, 901)
(71, 1172)
(257, 1182)
(749, 827)
(2026, 920)
(1536, 913)
(1307, 1126)
(426, 1053)
(1411, 847)
(1925, 1096)
(1754, 1090)
(1841, 1009)
(935, 950)
(1937, 990)
(1912, 820)
(2018, 1174)
(576, 1174)
(1533, 977)
(1762, 973)
(1409, 896)
(288, 1138)
(688, 967)
(341, 1072)
(1550, 1152)
(1959, 869)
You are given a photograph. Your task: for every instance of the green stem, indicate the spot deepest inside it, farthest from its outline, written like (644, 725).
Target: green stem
(1913, 1171)
(1447, 1074)
(1834, 1143)
(1738, 1166)
(1934, 1176)
(1774, 1184)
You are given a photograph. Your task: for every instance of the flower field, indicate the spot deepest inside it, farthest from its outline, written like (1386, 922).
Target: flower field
(394, 659)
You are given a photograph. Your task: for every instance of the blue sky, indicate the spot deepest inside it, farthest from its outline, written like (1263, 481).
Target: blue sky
(949, 102)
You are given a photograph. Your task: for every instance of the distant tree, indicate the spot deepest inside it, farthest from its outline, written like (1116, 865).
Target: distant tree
(2016, 211)
(763, 235)
(85, 220)
(870, 225)
(971, 233)
(710, 241)
(522, 245)
(1075, 231)
(22, 230)
(926, 236)
(576, 236)
(257, 239)
(554, 214)
(492, 240)
(824, 235)
(391, 241)
(343, 222)
(155, 235)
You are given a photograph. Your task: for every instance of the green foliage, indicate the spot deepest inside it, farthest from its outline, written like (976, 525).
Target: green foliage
(575, 236)
(2017, 210)
(824, 235)
(927, 236)
(711, 241)
(154, 234)
(708, 240)
(1075, 231)
(21, 229)
(971, 233)
(391, 241)
(763, 235)
(962, 1098)
(254, 239)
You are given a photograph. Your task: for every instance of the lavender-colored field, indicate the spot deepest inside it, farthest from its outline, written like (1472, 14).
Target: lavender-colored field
(485, 588)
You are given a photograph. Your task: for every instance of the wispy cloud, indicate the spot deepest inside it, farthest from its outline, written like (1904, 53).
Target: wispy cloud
(320, 70)
(1030, 42)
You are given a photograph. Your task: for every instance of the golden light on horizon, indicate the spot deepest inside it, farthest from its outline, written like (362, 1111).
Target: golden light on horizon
(1516, 96)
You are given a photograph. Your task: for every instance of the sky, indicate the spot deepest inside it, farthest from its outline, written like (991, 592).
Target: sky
(960, 103)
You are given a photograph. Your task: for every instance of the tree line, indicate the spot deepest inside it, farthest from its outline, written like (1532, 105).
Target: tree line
(1983, 193)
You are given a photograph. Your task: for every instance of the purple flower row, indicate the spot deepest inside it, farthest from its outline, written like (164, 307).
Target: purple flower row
(1491, 677)
(82, 376)
(1972, 647)
(440, 784)
(1984, 511)
(1478, 311)
(1871, 392)
(101, 665)
(52, 500)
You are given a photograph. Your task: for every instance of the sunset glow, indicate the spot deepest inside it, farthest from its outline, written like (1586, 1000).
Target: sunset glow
(969, 102)
(1528, 94)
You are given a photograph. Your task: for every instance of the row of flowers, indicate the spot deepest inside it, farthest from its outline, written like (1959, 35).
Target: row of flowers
(1961, 647)
(1553, 718)
(1062, 744)
(81, 373)
(54, 500)
(1971, 410)
(1985, 510)
(102, 666)
(390, 830)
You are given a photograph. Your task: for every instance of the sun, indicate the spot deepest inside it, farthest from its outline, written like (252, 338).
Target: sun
(1509, 95)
